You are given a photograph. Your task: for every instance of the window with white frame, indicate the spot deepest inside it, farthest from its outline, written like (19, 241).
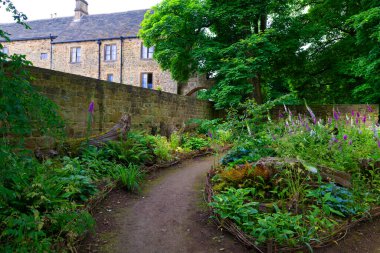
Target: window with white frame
(147, 80)
(146, 52)
(5, 50)
(110, 52)
(110, 77)
(44, 56)
(75, 54)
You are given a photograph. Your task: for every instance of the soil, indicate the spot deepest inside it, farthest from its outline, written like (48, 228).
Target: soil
(170, 215)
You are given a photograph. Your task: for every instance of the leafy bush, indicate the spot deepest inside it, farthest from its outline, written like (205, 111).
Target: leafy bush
(162, 149)
(194, 143)
(130, 177)
(282, 227)
(132, 150)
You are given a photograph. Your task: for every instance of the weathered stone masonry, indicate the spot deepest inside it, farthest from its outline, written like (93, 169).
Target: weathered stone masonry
(148, 108)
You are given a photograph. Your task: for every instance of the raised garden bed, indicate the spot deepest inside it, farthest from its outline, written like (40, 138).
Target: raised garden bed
(336, 234)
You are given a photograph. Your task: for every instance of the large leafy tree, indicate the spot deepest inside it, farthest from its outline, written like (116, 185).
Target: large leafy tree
(226, 39)
(23, 109)
(325, 51)
(340, 61)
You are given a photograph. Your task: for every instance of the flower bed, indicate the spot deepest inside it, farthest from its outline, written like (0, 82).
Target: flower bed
(297, 183)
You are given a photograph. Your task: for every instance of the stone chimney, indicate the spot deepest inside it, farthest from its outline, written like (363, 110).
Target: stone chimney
(81, 9)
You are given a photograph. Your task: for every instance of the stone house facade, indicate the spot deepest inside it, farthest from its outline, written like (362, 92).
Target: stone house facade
(104, 46)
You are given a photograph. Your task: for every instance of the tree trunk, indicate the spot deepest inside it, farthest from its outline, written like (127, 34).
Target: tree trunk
(257, 93)
(263, 22)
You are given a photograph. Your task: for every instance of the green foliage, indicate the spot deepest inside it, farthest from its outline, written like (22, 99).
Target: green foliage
(130, 177)
(319, 50)
(194, 143)
(282, 227)
(133, 150)
(162, 149)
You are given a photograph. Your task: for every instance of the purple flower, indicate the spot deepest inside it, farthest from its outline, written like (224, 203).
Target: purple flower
(345, 137)
(308, 127)
(336, 115)
(334, 139)
(364, 118)
(357, 121)
(280, 115)
(91, 107)
(352, 113)
(358, 114)
(209, 134)
(369, 108)
(350, 142)
(378, 143)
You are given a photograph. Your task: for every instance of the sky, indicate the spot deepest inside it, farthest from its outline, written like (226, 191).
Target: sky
(43, 9)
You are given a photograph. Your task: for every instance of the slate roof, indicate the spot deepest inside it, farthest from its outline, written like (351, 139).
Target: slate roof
(88, 28)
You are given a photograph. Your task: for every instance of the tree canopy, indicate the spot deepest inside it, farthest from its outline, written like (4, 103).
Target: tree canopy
(324, 51)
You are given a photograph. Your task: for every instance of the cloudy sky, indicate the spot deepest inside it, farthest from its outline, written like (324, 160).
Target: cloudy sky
(42, 9)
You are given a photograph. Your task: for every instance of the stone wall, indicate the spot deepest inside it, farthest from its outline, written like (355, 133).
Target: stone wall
(133, 65)
(148, 108)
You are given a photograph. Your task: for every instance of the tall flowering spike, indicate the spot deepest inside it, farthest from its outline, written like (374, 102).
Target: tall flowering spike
(378, 143)
(352, 113)
(336, 115)
(357, 121)
(91, 107)
(369, 108)
(345, 137)
(308, 127)
(286, 109)
(364, 119)
(358, 114)
(311, 114)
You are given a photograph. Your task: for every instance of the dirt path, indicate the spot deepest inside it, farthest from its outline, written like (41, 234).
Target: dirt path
(169, 216)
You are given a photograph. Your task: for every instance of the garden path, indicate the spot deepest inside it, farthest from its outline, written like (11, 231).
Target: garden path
(169, 216)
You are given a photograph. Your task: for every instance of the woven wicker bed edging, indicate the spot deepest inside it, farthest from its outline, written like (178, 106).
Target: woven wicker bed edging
(249, 241)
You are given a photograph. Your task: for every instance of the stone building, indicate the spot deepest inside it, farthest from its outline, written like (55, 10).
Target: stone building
(104, 46)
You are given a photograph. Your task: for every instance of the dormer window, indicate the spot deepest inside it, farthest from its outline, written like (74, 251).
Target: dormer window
(146, 52)
(75, 54)
(110, 52)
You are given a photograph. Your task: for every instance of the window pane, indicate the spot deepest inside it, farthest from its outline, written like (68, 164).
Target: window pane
(5, 50)
(150, 52)
(144, 52)
(110, 77)
(144, 80)
(73, 55)
(78, 54)
(113, 53)
(44, 56)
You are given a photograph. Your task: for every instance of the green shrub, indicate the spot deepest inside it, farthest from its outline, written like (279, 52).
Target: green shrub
(194, 143)
(162, 149)
(130, 177)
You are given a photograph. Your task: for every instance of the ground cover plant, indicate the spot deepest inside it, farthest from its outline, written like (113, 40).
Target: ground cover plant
(45, 205)
(295, 182)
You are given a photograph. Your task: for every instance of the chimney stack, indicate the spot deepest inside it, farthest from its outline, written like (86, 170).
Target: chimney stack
(81, 9)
